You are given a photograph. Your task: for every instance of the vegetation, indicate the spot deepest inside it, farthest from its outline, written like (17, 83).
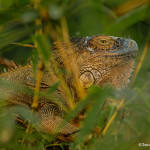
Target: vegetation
(28, 27)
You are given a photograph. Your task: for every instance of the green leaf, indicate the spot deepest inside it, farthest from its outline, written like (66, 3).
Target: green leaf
(13, 35)
(111, 110)
(6, 4)
(129, 19)
(83, 103)
(43, 47)
(53, 88)
(7, 126)
(98, 97)
(102, 118)
(26, 114)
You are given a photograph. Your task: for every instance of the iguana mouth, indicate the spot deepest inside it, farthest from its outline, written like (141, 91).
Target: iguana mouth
(129, 55)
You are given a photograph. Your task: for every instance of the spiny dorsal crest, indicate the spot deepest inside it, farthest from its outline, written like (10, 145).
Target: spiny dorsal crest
(11, 64)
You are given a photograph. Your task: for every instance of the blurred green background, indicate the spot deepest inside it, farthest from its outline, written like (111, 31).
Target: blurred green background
(85, 18)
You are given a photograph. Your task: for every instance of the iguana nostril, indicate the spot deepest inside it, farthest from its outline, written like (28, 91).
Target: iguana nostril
(131, 43)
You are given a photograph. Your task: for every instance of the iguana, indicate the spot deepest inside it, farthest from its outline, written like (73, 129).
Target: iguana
(101, 60)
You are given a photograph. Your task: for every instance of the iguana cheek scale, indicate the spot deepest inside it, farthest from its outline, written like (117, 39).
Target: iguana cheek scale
(101, 60)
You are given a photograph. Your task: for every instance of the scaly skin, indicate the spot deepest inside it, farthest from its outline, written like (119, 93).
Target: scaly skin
(100, 59)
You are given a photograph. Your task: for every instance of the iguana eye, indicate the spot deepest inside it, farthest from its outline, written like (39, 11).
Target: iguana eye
(103, 41)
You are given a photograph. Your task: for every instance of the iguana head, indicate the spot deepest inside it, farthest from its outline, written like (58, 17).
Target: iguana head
(104, 60)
